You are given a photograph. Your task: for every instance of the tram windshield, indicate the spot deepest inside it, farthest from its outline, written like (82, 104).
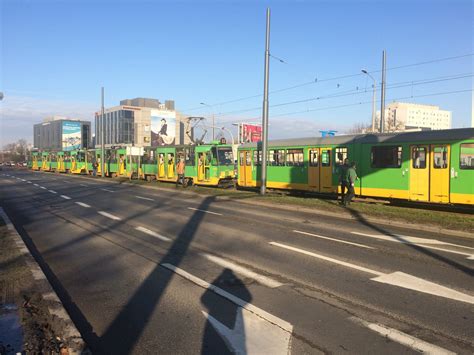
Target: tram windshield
(225, 156)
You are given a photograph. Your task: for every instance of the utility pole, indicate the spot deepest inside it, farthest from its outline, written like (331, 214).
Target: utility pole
(265, 108)
(102, 138)
(382, 100)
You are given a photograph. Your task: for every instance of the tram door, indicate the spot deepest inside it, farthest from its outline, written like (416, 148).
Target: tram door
(313, 168)
(245, 168)
(419, 173)
(439, 173)
(326, 171)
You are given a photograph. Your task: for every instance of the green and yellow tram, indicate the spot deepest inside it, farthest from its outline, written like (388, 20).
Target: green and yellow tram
(429, 166)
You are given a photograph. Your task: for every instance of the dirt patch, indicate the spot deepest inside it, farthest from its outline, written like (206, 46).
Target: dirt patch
(22, 305)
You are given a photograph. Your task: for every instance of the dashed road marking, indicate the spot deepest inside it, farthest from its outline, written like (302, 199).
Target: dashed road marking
(65, 197)
(83, 204)
(23, 180)
(145, 198)
(152, 233)
(197, 209)
(397, 278)
(264, 280)
(42, 187)
(109, 215)
(36, 185)
(107, 190)
(334, 240)
(403, 338)
(52, 191)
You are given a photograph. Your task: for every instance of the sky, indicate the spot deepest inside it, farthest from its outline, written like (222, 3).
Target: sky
(56, 55)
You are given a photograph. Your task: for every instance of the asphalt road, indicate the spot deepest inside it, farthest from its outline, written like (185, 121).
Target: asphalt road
(151, 271)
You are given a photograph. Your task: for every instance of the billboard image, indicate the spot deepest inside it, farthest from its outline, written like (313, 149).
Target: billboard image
(250, 133)
(71, 138)
(163, 127)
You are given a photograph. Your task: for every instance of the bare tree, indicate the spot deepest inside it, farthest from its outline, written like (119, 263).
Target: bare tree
(360, 128)
(17, 151)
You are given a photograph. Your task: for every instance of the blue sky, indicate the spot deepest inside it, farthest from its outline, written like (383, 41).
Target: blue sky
(56, 55)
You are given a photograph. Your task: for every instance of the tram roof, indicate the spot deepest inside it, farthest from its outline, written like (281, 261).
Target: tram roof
(419, 136)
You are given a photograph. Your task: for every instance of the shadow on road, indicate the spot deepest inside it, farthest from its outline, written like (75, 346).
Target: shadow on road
(224, 314)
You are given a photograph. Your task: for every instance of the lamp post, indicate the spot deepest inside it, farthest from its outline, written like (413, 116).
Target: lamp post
(373, 98)
(213, 118)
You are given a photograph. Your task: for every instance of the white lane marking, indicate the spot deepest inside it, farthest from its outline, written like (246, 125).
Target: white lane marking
(107, 190)
(403, 338)
(22, 179)
(197, 209)
(401, 279)
(319, 256)
(29, 182)
(65, 197)
(153, 234)
(83, 204)
(264, 280)
(397, 278)
(419, 242)
(239, 302)
(333, 239)
(52, 191)
(42, 187)
(36, 184)
(145, 198)
(108, 215)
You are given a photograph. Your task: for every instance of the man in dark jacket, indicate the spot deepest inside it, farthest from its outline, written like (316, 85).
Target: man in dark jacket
(350, 178)
(342, 178)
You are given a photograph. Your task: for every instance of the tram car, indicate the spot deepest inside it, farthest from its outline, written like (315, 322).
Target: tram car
(36, 161)
(205, 165)
(428, 166)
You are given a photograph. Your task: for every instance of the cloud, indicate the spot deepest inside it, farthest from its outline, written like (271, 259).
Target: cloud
(18, 114)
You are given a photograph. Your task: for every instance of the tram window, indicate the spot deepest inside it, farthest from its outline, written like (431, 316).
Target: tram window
(276, 157)
(170, 158)
(257, 157)
(466, 159)
(419, 157)
(189, 157)
(440, 157)
(313, 158)
(162, 158)
(224, 156)
(340, 155)
(248, 159)
(386, 157)
(325, 158)
(152, 157)
(242, 157)
(294, 157)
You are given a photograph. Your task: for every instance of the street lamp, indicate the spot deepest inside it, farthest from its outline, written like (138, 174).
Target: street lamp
(373, 99)
(213, 119)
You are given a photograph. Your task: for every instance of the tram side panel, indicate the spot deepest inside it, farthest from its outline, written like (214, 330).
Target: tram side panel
(462, 173)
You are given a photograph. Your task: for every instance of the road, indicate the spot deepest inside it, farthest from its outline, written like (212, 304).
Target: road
(161, 271)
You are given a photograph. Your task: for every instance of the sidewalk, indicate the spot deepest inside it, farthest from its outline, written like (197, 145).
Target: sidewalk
(32, 318)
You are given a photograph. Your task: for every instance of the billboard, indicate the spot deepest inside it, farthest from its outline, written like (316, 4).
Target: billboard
(71, 138)
(250, 133)
(163, 127)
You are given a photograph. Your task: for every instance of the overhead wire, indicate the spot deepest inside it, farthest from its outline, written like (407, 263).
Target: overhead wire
(316, 80)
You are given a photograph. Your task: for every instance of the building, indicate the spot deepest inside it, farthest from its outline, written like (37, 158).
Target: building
(141, 122)
(62, 133)
(401, 116)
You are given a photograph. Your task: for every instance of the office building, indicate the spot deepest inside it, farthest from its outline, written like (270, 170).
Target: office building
(141, 122)
(62, 133)
(401, 116)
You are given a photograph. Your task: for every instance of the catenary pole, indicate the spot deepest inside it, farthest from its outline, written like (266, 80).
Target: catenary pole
(102, 138)
(265, 109)
(382, 99)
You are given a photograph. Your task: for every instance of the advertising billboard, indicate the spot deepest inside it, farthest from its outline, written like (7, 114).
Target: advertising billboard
(163, 127)
(250, 133)
(71, 138)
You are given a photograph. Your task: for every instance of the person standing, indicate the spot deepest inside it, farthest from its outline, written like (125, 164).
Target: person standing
(180, 171)
(342, 178)
(350, 178)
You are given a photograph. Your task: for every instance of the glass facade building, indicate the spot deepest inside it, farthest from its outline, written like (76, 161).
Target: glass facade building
(119, 127)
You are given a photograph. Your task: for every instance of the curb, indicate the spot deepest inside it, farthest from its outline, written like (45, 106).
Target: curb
(71, 335)
(344, 215)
